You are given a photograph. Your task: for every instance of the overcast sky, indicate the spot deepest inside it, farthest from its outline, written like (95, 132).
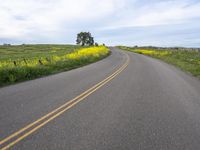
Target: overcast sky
(114, 22)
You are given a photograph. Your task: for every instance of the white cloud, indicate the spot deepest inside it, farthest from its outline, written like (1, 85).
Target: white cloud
(168, 14)
(19, 17)
(160, 13)
(39, 20)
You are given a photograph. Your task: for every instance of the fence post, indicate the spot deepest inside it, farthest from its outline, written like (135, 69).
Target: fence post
(25, 61)
(40, 61)
(15, 63)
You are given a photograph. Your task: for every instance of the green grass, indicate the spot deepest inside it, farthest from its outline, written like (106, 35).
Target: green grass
(34, 51)
(25, 62)
(187, 60)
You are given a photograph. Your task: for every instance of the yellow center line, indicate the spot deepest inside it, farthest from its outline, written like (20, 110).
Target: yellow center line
(68, 105)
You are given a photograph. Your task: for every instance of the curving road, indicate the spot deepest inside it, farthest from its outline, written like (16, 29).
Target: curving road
(143, 104)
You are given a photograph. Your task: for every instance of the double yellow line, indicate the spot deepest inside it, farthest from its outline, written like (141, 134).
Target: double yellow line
(16, 137)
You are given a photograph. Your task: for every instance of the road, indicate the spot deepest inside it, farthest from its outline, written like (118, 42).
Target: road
(143, 103)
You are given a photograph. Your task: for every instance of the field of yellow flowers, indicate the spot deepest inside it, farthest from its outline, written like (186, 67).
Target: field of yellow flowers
(187, 60)
(13, 70)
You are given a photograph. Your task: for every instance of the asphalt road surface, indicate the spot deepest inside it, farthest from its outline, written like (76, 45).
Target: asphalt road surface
(143, 104)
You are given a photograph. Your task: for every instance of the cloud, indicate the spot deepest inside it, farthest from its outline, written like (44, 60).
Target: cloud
(160, 35)
(158, 12)
(168, 13)
(58, 21)
(21, 17)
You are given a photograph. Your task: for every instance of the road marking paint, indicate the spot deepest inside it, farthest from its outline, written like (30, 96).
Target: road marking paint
(60, 110)
(47, 115)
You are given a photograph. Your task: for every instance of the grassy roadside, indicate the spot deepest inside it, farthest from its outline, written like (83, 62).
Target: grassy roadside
(18, 63)
(186, 60)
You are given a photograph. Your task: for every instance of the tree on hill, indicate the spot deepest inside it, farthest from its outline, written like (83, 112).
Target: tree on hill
(85, 38)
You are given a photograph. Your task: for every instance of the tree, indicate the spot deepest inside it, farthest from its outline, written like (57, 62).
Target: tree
(96, 44)
(85, 38)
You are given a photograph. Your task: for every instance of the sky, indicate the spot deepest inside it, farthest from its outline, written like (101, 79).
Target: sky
(113, 22)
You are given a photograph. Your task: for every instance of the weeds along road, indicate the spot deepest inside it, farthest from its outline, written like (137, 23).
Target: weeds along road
(126, 101)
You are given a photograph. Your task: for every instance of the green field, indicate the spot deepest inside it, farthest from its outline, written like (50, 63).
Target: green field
(34, 51)
(25, 62)
(187, 60)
